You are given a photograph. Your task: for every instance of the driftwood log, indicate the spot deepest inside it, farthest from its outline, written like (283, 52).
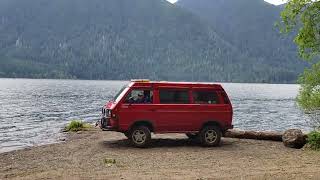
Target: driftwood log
(293, 138)
(259, 135)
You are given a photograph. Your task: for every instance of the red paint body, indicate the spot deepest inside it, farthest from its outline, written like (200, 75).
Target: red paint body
(168, 118)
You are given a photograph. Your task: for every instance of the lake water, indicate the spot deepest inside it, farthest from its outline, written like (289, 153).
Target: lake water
(32, 112)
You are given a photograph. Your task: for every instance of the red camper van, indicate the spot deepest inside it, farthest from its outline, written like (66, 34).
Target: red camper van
(200, 110)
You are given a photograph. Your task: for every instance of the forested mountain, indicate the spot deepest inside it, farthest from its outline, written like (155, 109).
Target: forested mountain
(124, 39)
(250, 26)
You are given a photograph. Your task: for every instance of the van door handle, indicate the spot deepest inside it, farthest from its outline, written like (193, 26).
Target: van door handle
(153, 110)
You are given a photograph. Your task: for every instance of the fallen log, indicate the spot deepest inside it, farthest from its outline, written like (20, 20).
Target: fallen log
(293, 138)
(259, 135)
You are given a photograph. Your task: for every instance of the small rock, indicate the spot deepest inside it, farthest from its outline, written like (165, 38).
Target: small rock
(294, 138)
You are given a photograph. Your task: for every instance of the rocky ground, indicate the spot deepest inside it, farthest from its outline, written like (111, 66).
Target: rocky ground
(95, 154)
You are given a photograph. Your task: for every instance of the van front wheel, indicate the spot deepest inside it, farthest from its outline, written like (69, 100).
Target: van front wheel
(210, 136)
(140, 136)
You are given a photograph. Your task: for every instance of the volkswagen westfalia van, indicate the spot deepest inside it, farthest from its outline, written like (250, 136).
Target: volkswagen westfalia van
(200, 110)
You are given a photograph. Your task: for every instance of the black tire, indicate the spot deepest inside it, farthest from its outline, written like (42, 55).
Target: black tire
(140, 136)
(210, 136)
(192, 135)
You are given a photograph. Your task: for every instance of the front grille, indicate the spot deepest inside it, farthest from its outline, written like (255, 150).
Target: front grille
(105, 122)
(105, 112)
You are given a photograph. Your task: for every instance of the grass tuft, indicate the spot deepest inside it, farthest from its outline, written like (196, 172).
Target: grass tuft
(109, 162)
(76, 125)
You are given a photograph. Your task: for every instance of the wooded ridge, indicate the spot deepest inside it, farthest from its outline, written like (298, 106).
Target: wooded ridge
(127, 39)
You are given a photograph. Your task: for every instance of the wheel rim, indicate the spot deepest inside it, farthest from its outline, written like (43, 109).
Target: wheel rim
(139, 137)
(210, 136)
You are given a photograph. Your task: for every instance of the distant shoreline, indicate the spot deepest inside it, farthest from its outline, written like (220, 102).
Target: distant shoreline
(136, 78)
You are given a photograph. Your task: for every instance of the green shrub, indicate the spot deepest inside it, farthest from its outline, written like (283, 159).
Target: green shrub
(314, 140)
(76, 125)
(309, 94)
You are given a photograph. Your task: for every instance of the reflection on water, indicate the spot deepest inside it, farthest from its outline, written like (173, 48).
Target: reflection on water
(32, 112)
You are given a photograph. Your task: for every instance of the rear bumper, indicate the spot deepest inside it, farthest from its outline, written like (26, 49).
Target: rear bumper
(226, 128)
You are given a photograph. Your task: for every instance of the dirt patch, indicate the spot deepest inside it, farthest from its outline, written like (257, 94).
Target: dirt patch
(87, 155)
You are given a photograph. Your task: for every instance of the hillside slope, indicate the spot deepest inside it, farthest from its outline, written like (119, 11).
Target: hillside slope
(121, 39)
(250, 26)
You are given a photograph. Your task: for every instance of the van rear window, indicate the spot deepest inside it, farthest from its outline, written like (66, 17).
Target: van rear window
(168, 96)
(205, 97)
(225, 98)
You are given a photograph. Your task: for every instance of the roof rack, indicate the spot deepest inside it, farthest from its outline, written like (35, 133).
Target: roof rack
(140, 80)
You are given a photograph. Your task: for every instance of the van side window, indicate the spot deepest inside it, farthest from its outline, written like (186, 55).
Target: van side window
(205, 97)
(168, 96)
(140, 96)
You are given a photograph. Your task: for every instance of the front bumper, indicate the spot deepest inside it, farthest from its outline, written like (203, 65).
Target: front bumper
(107, 124)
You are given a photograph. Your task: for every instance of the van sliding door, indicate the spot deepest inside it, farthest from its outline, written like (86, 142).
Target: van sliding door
(173, 110)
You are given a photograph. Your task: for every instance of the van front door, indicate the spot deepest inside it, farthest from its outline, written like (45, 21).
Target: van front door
(137, 106)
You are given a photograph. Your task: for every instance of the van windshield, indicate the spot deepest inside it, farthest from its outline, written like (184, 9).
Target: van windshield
(118, 96)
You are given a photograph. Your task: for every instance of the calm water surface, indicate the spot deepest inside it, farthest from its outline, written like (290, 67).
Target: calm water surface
(32, 112)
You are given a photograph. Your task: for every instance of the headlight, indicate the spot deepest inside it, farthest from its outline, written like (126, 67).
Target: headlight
(108, 113)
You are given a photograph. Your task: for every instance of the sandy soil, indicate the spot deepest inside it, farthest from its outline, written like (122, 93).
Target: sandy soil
(173, 156)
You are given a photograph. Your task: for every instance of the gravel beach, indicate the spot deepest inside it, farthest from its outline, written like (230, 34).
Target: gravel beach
(95, 154)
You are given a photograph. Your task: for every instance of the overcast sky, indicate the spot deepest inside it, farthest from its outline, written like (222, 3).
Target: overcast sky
(276, 2)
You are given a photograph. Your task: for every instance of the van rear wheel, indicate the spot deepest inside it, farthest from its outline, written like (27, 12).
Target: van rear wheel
(210, 136)
(140, 136)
